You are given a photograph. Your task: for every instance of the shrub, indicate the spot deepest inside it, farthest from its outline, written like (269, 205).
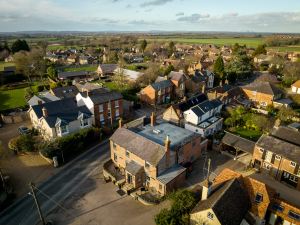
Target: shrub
(22, 143)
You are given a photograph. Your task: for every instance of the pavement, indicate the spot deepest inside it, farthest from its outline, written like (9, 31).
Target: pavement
(77, 194)
(22, 168)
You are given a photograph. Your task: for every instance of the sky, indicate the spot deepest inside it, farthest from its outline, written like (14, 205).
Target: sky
(149, 15)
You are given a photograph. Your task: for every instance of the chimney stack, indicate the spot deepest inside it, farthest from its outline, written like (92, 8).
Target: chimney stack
(153, 119)
(226, 82)
(120, 122)
(40, 102)
(221, 83)
(206, 189)
(167, 150)
(203, 88)
(45, 112)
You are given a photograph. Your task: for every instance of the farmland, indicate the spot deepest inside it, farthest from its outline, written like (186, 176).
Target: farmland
(11, 99)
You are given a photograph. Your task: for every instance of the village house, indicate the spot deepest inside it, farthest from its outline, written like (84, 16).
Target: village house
(83, 60)
(174, 114)
(178, 79)
(200, 81)
(157, 93)
(296, 87)
(204, 118)
(59, 118)
(152, 155)
(65, 92)
(41, 98)
(106, 69)
(262, 94)
(74, 75)
(278, 155)
(105, 105)
(72, 59)
(235, 199)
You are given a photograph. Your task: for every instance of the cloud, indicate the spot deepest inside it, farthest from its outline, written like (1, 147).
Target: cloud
(142, 22)
(196, 17)
(180, 14)
(155, 3)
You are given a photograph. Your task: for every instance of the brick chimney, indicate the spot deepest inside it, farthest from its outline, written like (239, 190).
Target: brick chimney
(120, 122)
(206, 189)
(153, 119)
(167, 150)
(45, 112)
(203, 88)
(39, 102)
(221, 83)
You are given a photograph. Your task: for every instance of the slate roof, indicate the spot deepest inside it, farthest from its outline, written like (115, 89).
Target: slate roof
(102, 95)
(183, 106)
(65, 110)
(138, 145)
(66, 75)
(280, 147)
(162, 84)
(263, 87)
(229, 202)
(206, 106)
(133, 168)
(170, 174)
(65, 92)
(108, 68)
(173, 75)
(238, 142)
(287, 134)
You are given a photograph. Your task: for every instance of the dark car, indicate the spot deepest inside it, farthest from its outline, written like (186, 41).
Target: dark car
(23, 130)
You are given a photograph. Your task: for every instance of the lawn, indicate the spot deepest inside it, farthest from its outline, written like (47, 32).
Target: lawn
(249, 134)
(5, 64)
(90, 68)
(250, 42)
(12, 99)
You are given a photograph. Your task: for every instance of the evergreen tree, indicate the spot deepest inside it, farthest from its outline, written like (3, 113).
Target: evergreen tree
(143, 45)
(19, 45)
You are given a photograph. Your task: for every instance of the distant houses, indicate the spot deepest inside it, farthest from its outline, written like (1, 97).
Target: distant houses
(296, 87)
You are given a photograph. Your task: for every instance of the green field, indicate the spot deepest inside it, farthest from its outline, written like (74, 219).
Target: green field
(4, 64)
(292, 48)
(250, 42)
(12, 99)
(89, 68)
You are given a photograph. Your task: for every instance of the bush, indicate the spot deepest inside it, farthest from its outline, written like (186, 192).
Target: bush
(23, 143)
(72, 144)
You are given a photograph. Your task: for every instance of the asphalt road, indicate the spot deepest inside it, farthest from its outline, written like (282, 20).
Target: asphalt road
(58, 187)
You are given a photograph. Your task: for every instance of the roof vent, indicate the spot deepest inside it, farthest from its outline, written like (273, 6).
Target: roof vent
(156, 131)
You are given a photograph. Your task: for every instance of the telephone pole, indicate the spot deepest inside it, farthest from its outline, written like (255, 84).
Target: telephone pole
(208, 169)
(37, 203)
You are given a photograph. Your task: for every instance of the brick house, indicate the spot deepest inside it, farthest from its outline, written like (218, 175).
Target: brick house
(262, 94)
(278, 154)
(106, 106)
(178, 79)
(174, 114)
(296, 87)
(261, 203)
(106, 69)
(153, 155)
(157, 93)
(225, 93)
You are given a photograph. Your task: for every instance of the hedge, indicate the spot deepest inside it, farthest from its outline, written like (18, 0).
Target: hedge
(71, 145)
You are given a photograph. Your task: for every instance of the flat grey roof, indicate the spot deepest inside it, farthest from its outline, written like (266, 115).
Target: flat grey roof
(239, 143)
(159, 132)
(170, 174)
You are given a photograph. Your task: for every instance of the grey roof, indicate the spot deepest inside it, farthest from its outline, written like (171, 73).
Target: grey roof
(159, 132)
(173, 75)
(65, 110)
(139, 145)
(44, 96)
(287, 134)
(133, 168)
(263, 87)
(195, 100)
(66, 75)
(238, 142)
(206, 106)
(229, 202)
(162, 84)
(170, 174)
(102, 95)
(65, 92)
(108, 68)
(280, 147)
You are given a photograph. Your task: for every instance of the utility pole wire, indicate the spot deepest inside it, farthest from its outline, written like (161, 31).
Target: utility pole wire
(37, 203)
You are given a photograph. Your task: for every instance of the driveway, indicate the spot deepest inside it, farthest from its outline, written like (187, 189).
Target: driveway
(22, 168)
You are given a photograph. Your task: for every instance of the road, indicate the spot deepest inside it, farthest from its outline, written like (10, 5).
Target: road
(59, 187)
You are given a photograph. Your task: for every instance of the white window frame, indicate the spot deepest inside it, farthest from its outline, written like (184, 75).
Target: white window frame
(117, 112)
(101, 108)
(210, 215)
(116, 104)
(59, 130)
(101, 115)
(261, 150)
(82, 122)
(293, 164)
(277, 157)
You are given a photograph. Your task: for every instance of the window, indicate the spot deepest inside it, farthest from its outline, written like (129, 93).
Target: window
(210, 216)
(292, 164)
(117, 113)
(193, 143)
(261, 150)
(294, 215)
(114, 146)
(147, 165)
(277, 157)
(258, 198)
(100, 108)
(101, 117)
(116, 104)
(147, 179)
(127, 154)
(84, 122)
(277, 207)
(266, 166)
(160, 187)
(115, 157)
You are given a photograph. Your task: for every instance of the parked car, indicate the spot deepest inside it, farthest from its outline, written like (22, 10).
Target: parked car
(23, 130)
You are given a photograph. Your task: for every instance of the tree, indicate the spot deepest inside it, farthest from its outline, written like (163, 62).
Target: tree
(219, 69)
(143, 45)
(150, 74)
(19, 45)
(171, 48)
(291, 72)
(169, 69)
(261, 49)
(37, 62)
(52, 73)
(286, 114)
(22, 63)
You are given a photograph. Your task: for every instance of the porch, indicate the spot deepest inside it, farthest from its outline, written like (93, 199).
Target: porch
(112, 173)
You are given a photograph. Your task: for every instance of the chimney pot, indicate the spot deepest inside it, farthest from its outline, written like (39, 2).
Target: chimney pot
(120, 122)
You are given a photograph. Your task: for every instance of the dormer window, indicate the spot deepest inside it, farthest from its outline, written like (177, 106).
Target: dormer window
(62, 130)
